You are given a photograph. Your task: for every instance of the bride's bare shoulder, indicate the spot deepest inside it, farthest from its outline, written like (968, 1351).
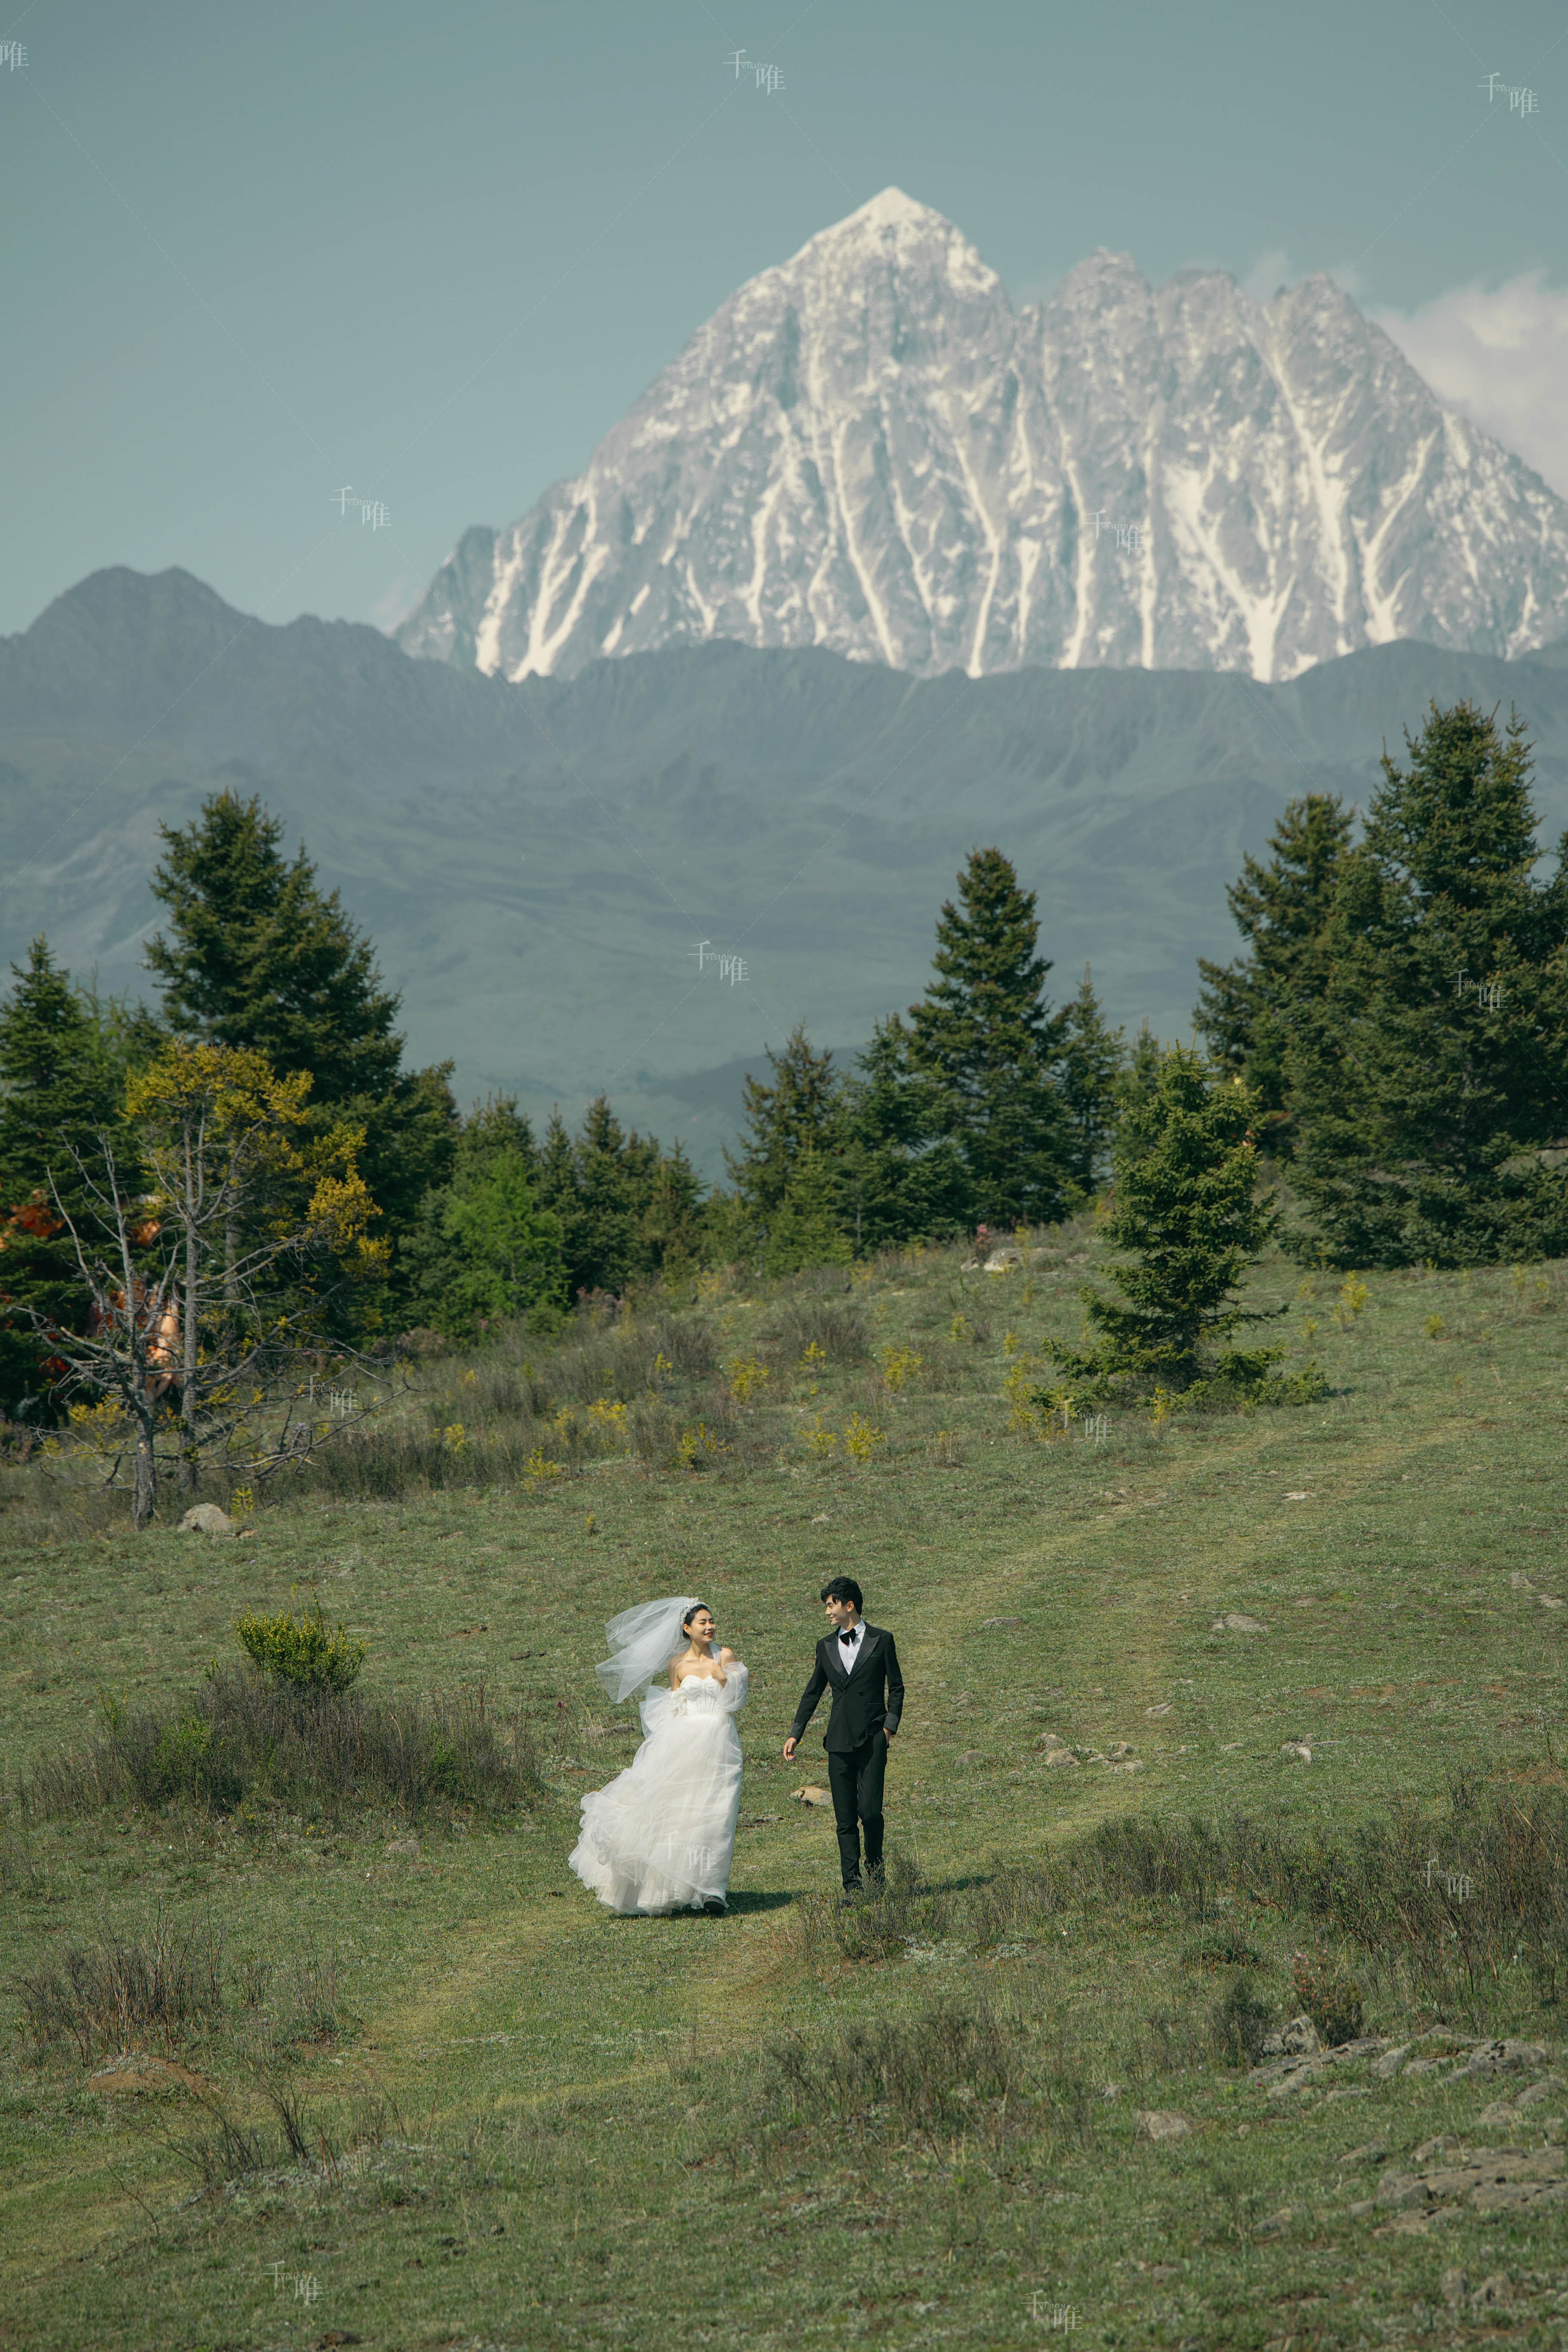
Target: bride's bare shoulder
(726, 1657)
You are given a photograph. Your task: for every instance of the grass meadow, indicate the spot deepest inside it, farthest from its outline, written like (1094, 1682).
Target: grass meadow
(326, 2046)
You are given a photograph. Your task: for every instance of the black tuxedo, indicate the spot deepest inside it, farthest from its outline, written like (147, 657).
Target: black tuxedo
(867, 1705)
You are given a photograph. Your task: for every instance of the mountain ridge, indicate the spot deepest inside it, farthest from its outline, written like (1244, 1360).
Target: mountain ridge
(866, 448)
(535, 864)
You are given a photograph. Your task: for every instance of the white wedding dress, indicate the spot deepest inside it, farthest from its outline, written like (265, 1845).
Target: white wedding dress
(661, 1835)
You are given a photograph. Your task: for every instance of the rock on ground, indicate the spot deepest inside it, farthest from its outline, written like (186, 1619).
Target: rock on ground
(1158, 2123)
(207, 1520)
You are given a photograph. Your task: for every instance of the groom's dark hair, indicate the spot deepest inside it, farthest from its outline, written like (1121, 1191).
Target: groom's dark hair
(844, 1588)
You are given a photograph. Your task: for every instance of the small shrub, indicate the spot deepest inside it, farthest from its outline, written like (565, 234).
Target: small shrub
(745, 1376)
(125, 1990)
(860, 1440)
(835, 1326)
(899, 1366)
(1240, 2022)
(1330, 1995)
(696, 1446)
(239, 1740)
(305, 1653)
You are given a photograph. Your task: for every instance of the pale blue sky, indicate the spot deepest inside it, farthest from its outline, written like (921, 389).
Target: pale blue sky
(252, 255)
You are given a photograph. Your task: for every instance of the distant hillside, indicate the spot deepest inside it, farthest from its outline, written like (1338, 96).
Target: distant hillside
(538, 862)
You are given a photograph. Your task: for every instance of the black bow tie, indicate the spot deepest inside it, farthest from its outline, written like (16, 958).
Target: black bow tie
(846, 1637)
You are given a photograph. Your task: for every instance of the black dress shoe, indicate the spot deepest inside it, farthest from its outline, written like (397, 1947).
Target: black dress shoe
(715, 1906)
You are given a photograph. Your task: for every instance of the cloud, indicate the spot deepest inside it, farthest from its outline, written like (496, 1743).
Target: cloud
(1500, 356)
(393, 606)
(1269, 273)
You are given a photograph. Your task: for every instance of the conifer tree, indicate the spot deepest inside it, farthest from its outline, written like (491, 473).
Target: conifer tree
(800, 1109)
(1136, 1085)
(900, 1178)
(1185, 1212)
(257, 956)
(629, 1211)
(1093, 1058)
(1247, 1010)
(484, 1246)
(983, 1033)
(62, 1085)
(1430, 1074)
(807, 1227)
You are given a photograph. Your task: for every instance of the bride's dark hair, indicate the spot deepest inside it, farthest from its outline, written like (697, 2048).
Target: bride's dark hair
(691, 1613)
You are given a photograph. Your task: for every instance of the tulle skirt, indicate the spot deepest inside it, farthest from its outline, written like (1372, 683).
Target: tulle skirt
(661, 1836)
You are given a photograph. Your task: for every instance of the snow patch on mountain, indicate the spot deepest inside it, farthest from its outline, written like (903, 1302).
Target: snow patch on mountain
(867, 448)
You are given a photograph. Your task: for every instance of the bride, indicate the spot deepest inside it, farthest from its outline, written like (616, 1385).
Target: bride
(661, 1837)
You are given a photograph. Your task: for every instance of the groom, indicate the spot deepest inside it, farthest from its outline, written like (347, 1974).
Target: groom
(859, 1664)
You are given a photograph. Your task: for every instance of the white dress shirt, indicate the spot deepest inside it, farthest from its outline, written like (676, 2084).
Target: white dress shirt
(849, 1651)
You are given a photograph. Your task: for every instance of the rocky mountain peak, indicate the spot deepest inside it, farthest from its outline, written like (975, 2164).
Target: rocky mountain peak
(867, 448)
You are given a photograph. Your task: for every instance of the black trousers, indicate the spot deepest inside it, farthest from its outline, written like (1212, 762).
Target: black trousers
(855, 1776)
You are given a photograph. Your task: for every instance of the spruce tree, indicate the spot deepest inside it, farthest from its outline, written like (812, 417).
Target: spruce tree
(1430, 1074)
(800, 1109)
(61, 1091)
(258, 955)
(983, 1032)
(1185, 1212)
(807, 1227)
(900, 1178)
(1088, 1076)
(1247, 1010)
(628, 1210)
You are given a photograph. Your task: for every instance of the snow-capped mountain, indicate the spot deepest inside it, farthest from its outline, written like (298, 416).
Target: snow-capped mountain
(867, 448)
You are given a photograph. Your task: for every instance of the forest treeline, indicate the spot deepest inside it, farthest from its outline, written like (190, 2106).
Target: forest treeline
(1394, 1035)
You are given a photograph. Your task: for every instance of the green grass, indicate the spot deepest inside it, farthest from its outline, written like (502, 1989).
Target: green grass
(528, 2123)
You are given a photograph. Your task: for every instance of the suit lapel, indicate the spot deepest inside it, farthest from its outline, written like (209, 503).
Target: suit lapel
(834, 1663)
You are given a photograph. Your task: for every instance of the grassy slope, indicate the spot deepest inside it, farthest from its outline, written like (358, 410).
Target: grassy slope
(582, 2158)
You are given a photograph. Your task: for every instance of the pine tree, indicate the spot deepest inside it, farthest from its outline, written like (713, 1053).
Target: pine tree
(1093, 1058)
(1186, 1211)
(1247, 1010)
(900, 1178)
(258, 956)
(800, 1110)
(504, 1250)
(62, 1084)
(483, 1247)
(1430, 1076)
(983, 1032)
(807, 1227)
(628, 1212)
(1136, 1085)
